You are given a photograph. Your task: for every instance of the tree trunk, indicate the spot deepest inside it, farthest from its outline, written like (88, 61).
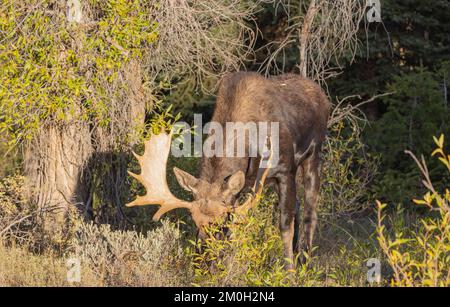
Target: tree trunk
(54, 167)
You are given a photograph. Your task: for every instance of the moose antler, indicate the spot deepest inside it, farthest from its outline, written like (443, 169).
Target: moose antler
(252, 201)
(153, 177)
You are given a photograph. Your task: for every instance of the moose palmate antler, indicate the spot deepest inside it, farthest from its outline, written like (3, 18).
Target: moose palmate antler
(153, 177)
(153, 165)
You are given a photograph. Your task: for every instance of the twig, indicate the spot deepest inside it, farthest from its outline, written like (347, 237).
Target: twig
(341, 112)
(15, 223)
(427, 181)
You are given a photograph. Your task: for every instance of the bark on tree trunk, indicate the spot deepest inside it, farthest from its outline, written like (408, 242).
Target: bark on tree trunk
(54, 167)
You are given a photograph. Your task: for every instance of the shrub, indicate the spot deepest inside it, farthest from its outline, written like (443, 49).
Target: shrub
(347, 170)
(252, 255)
(16, 215)
(124, 258)
(58, 72)
(421, 256)
(28, 257)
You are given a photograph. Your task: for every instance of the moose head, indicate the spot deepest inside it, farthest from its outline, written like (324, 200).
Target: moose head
(212, 201)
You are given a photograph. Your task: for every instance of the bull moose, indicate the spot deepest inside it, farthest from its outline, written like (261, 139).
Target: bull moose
(300, 107)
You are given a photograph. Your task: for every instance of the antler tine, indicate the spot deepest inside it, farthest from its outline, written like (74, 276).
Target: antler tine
(257, 189)
(153, 176)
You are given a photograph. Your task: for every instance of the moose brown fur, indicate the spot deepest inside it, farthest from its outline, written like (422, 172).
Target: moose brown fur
(301, 109)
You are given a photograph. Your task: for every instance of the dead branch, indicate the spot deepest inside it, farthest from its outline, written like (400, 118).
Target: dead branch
(16, 222)
(340, 112)
(202, 39)
(324, 34)
(304, 34)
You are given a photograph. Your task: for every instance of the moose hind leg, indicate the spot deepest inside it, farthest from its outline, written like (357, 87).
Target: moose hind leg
(286, 187)
(311, 181)
(297, 227)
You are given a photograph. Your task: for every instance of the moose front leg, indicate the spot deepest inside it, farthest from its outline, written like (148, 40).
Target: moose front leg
(287, 199)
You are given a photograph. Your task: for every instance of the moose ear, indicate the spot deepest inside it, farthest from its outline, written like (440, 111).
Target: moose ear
(236, 182)
(186, 180)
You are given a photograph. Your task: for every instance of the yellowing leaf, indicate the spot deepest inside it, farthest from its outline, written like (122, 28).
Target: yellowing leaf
(419, 201)
(446, 163)
(439, 142)
(436, 151)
